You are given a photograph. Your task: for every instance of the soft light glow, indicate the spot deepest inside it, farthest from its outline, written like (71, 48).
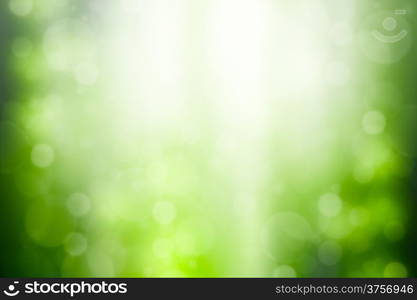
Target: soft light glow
(207, 138)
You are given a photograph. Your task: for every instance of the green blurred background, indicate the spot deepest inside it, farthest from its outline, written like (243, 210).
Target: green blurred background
(208, 138)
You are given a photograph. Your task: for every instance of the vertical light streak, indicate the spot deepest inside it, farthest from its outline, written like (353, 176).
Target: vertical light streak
(236, 43)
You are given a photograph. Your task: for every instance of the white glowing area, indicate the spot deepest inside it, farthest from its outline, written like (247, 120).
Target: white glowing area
(223, 76)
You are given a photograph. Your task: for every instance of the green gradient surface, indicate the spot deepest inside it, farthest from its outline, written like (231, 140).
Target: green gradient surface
(193, 138)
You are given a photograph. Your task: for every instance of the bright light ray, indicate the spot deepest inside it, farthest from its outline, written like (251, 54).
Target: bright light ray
(236, 45)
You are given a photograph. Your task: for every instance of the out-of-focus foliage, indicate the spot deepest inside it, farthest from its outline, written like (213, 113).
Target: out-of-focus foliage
(208, 138)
